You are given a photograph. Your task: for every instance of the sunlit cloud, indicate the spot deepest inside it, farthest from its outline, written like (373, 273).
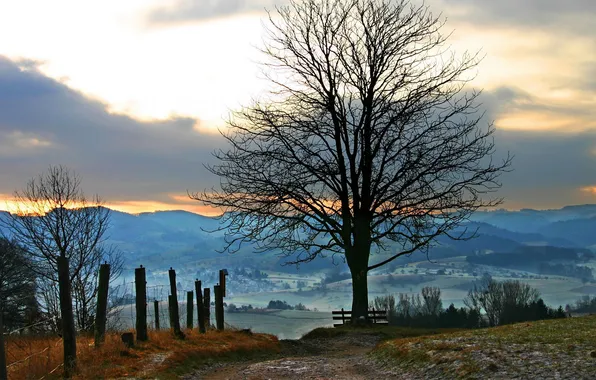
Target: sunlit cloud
(16, 142)
(589, 190)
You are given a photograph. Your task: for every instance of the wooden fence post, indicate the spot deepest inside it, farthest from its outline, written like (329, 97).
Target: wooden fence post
(102, 304)
(175, 313)
(200, 308)
(222, 281)
(141, 303)
(343, 318)
(374, 316)
(3, 372)
(69, 338)
(189, 309)
(171, 310)
(219, 311)
(207, 304)
(156, 315)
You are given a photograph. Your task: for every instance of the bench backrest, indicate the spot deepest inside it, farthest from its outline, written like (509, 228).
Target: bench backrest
(346, 315)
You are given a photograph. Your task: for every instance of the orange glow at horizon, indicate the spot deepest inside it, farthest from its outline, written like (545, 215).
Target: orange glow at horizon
(136, 207)
(7, 203)
(589, 189)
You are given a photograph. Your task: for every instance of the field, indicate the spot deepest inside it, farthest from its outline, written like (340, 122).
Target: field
(113, 360)
(555, 290)
(409, 278)
(563, 348)
(285, 324)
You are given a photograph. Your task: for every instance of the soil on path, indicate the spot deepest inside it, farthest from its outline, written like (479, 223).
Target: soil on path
(341, 357)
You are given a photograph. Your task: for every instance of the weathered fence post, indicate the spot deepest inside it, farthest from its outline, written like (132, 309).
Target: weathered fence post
(200, 308)
(3, 372)
(141, 303)
(174, 312)
(102, 304)
(219, 312)
(374, 316)
(69, 338)
(222, 281)
(207, 304)
(171, 310)
(189, 309)
(156, 313)
(343, 318)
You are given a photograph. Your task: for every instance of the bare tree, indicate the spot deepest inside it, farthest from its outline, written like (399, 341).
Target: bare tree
(408, 306)
(60, 230)
(433, 306)
(500, 299)
(85, 284)
(369, 139)
(385, 303)
(84, 289)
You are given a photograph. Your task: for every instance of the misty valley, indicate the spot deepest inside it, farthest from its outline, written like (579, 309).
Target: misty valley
(551, 250)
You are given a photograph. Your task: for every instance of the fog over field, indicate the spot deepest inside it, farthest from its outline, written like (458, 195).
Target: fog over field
(551, 250)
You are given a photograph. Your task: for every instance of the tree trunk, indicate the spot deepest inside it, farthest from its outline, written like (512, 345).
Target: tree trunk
(68, 325)
(357, 257)
(3, 374)
(359, 293)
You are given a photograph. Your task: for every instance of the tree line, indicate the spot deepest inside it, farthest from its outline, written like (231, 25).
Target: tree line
(489, 303)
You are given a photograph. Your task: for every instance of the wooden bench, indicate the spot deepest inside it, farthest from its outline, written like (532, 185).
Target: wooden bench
(378, 317)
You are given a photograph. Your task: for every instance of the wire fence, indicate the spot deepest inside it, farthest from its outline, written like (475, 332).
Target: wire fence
(38, 352)
(42, 322)
(123, 316)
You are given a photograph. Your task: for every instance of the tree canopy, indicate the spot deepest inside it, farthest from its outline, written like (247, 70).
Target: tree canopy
(369, 137)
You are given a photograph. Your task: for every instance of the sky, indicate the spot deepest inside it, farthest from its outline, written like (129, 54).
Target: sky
(130, 94)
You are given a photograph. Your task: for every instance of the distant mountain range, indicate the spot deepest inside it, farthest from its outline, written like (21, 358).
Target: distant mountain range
(182, 237)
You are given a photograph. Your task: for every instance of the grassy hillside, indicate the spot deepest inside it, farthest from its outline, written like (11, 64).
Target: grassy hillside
(545, 349)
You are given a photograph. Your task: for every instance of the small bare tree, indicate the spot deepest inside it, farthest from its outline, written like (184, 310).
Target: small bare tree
(84, 289)
(61, 231)
(85, 284)
(368, 141)
(432, 306)
(500, 299)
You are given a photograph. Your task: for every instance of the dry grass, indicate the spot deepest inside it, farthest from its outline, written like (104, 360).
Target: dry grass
(114, 360)
(31, 357)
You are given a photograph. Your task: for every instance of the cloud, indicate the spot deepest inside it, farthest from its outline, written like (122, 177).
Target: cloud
(198, 10)
(43, 122)
(147, 164)
(566, 16)
(551, 167)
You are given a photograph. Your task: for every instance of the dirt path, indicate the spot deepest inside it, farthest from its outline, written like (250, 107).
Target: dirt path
(337, 358)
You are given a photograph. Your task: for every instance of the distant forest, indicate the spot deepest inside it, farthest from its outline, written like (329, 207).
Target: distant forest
(542, 260)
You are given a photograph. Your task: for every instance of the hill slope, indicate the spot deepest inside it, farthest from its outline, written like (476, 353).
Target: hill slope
(562, 349)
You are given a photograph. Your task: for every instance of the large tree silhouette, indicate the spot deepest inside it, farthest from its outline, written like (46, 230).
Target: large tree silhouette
(369, 136)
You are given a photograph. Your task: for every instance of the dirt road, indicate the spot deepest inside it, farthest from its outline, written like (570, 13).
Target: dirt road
(337, 358)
